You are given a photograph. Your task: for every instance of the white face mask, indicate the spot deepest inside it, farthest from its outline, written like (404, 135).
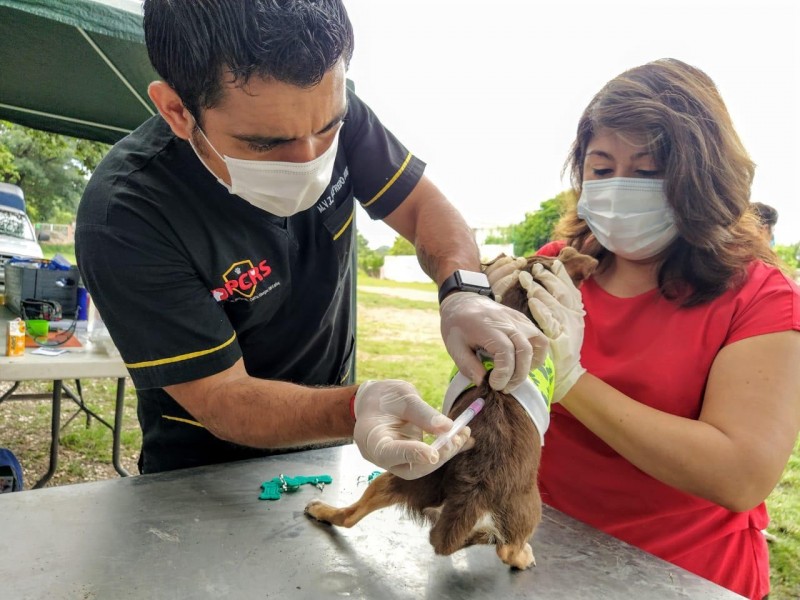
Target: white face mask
(629, 216)
(280, 188)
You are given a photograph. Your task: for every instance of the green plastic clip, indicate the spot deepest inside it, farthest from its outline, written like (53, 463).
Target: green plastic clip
(272, 489)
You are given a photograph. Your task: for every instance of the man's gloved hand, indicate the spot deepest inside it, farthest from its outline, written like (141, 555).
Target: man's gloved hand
(471, 322)
(390, 419)
(558, 309)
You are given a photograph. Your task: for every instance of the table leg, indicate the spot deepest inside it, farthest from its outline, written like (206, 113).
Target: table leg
(118, 427)
(55, 426)
(9, 392)
(82, 404)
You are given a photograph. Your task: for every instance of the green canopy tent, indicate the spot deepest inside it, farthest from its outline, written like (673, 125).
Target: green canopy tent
(74, 67)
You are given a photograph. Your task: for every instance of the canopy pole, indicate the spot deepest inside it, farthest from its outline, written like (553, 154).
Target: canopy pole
(116, 71)
(64, 118)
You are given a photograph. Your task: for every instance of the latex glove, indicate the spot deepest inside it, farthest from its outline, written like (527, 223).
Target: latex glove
(556, 304)
(390, 419)
(503, 273)
(471, 322)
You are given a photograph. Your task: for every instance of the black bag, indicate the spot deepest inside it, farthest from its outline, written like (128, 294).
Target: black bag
(49, 310)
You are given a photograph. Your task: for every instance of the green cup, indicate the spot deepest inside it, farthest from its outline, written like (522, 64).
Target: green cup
(37, 327)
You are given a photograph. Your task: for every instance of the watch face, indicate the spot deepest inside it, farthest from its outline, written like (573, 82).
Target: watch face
(472, 278)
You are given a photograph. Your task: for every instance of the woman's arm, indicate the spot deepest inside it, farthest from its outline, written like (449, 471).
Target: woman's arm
(735, 453)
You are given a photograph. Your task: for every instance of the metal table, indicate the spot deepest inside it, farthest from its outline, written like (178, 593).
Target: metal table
(203, 533)
(78, 363)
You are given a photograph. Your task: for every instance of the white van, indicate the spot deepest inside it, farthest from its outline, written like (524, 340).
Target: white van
(17, 236)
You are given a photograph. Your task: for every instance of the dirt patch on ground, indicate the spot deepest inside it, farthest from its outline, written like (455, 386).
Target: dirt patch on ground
(85, 446)
(407, 324)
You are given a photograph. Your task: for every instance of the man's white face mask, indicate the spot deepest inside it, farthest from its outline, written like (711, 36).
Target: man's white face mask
(279, 188)
(629, 216)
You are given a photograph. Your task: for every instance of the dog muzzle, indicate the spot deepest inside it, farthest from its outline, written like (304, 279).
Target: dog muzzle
(534, 394)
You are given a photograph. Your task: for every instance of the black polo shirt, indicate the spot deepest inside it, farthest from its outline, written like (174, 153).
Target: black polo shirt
(189, 278)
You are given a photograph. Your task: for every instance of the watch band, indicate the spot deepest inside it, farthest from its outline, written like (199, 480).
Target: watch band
(466, 281)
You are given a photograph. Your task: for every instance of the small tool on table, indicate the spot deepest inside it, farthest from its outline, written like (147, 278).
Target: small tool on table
(272, 489)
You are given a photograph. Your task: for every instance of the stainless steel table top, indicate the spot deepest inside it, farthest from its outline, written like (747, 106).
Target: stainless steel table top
(203, 533)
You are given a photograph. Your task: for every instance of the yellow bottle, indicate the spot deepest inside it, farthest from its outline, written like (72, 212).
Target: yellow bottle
(15, 342)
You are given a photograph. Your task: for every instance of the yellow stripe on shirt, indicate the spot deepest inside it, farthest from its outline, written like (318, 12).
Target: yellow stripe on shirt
(180, 357)
(182, 420)
(391, 181)
(345, 226)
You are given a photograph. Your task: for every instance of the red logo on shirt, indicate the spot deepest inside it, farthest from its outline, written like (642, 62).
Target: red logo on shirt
(242, 278)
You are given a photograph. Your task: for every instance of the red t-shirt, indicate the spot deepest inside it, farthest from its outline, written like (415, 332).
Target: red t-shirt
(660, 354)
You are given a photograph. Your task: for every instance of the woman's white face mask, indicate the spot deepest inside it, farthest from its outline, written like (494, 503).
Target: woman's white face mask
(279, 188)
(629, 216)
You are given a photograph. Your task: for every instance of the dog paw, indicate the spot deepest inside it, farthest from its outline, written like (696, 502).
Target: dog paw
(515, 557)
(315, 510)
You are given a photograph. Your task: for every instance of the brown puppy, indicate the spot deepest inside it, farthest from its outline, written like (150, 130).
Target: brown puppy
(488, 494)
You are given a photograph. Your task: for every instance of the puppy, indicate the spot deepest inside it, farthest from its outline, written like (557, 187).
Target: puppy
(488, 494)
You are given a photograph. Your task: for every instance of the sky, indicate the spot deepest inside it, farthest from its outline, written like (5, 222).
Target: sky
(488, 93)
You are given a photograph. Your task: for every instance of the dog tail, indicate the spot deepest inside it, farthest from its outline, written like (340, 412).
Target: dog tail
(454, 527)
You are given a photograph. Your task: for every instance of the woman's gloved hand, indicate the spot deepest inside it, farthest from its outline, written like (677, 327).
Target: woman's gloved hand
(390, 419)
(472, 322)
(556, 304)
(503, 273)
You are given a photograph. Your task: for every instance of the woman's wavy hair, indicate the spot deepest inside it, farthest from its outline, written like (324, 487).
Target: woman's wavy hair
(678, 110)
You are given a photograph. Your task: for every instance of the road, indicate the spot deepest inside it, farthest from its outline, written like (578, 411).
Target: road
(408, 294)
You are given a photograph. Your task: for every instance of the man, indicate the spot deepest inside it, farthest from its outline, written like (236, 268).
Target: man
(216, 242)
(768, 217)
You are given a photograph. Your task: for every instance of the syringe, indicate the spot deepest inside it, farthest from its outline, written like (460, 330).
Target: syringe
(463, 419)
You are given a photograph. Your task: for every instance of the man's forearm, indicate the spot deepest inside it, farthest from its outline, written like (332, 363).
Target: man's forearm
(269, 414)
(272, 414)
(443, 240)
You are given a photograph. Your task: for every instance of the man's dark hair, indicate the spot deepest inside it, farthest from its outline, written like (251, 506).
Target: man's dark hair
(195, 45)
(765, 213)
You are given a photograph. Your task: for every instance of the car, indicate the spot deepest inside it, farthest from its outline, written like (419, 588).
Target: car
(17, 235)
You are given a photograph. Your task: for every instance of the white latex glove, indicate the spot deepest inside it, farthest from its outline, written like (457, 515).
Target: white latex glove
(390, 419)
(472, 322)
(503, 273)
(556, 304)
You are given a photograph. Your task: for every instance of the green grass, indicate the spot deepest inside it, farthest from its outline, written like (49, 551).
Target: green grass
(784, 508)
(66, 250)
(426, 365)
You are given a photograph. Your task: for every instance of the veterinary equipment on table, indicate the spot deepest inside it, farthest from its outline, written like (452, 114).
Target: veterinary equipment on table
(79, 363)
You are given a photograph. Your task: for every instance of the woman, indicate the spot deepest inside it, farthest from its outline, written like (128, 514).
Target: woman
(679, 402)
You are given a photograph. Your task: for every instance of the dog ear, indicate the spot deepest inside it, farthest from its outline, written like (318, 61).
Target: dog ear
(494, 260)
(579, 266)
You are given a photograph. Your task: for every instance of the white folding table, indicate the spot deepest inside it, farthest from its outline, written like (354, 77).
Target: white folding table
(86, 362)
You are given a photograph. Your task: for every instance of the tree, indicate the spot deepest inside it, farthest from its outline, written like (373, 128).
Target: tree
(537, 228)
(51, 169)
(369, 261)
(789, 254)
(402, 247)
(500, 235)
